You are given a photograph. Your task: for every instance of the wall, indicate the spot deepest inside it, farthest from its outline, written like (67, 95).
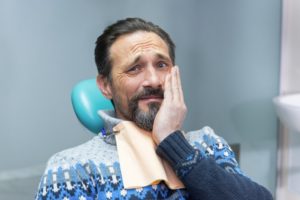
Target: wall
(228, 52)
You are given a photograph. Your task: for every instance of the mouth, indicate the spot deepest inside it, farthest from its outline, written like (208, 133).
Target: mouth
(151, 98)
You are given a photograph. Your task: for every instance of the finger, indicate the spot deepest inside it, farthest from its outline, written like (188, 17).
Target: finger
(174, 85)
(180, 91)
(167, 87)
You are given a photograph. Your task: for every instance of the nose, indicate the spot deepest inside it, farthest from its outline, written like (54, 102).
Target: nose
(152, 78)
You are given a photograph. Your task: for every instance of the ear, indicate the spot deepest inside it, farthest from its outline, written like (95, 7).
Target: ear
(104, 86)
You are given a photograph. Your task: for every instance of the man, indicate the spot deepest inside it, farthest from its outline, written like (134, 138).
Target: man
(144, 154)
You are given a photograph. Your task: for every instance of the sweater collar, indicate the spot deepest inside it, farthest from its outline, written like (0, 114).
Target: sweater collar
(110, 120)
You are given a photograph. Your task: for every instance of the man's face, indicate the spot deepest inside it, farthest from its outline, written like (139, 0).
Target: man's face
(140, 62)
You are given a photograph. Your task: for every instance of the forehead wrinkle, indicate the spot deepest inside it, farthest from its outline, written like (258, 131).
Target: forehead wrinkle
(134, 45)
(143, 46)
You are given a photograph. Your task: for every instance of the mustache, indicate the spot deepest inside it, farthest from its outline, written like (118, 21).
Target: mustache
(148, 92)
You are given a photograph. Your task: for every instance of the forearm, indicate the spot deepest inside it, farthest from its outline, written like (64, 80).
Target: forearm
(203, 177)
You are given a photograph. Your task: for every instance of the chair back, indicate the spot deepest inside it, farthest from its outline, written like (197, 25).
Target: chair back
(87, 99)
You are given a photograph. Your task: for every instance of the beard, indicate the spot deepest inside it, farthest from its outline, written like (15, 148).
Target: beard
(143, 119)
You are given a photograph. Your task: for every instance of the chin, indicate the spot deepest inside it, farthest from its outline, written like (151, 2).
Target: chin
(148, 106)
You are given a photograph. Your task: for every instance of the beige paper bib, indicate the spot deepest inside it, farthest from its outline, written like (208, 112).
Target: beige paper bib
(140, 165)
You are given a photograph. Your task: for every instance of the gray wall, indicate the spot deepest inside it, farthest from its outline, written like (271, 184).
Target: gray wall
(228, 52)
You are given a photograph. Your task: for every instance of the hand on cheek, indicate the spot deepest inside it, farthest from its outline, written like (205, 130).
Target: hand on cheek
(173, 109)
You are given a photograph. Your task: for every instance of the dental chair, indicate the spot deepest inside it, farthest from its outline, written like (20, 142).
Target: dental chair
(87, 99)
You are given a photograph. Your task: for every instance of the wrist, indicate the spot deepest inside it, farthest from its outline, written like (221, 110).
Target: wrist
(162, 135)
(158, 138)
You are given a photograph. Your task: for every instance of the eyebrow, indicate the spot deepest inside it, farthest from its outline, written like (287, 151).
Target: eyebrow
(161, 56)
(158, 55)
(137, 59)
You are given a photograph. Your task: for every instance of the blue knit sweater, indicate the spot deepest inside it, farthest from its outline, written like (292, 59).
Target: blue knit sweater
(201, 159)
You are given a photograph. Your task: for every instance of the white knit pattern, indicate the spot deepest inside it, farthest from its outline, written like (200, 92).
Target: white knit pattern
(95, 149)
(197, 135)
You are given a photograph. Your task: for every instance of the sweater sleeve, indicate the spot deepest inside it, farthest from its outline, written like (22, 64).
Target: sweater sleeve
(205, 177)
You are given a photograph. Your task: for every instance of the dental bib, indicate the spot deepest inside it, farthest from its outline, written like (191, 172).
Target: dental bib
(139, 163)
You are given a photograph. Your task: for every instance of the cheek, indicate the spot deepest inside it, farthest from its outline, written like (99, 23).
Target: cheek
(126, 88)
(163, 76)
(132, 88)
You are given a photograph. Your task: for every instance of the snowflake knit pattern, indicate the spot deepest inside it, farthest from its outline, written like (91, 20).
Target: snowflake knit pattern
(92, 171)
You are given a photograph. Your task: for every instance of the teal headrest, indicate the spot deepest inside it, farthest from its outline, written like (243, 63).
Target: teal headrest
(87, 100)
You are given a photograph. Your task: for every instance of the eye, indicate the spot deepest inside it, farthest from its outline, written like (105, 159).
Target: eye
(162, 65)
(135, 69)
